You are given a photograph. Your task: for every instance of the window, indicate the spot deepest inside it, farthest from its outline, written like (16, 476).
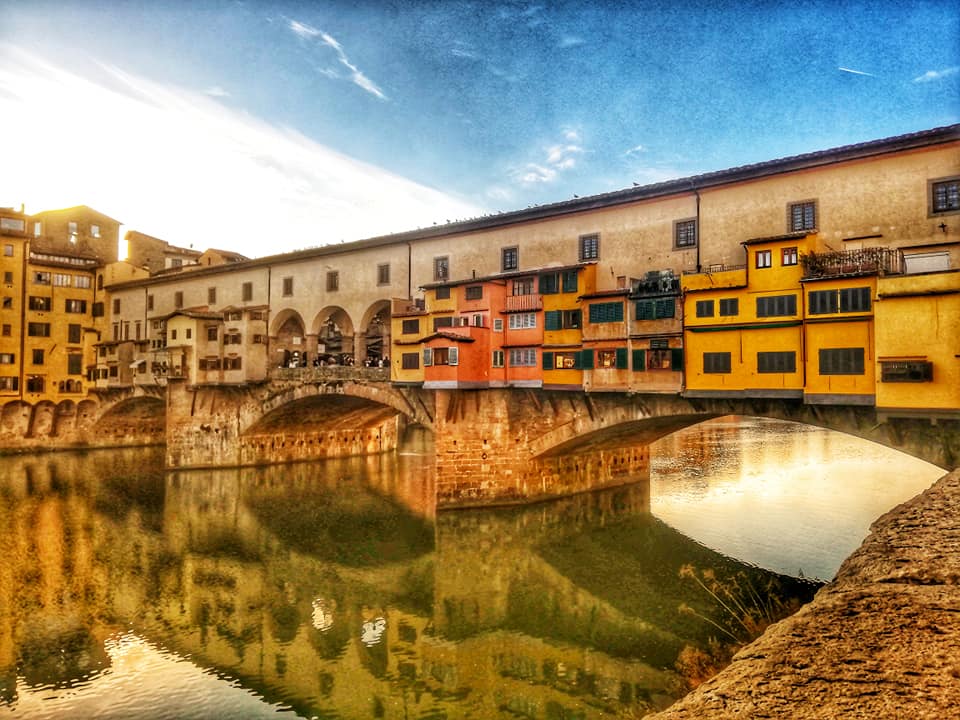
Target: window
(383, 274)
(561, 361)
(802, 216)
(411, 327)
(509, 259)
(570, 284)
(232, 363)
(72, 228)
(75, 306)
(549, 284)
(73, 333)
(74, 364)
(474, 292)
(38, 329)
(173, 334)
(899, 371)
(7, 358)
(246, 291)
(589, 247)
(35, 384)
(116, 306)
(523, 357)
(81, 281)
(8, 250)
(855, 299)
(6, 330)
(776, 362)
(656, 309)
(497, 359)
(445, 355)
(211, 296)
(729, 307)
(685, 234)
(288, 286)
(498, 324)
(61, 280)
(8, 277)
(37, 229)
(97, 309)
(522, 321)
(232, 338)
(764, 258)
(95, 231)
(822, 302)
(442, 322)
(9, 383)
(41, 278)
(43, 304)
(561, 319)
(788, 256)
(212, 334)
(704, 308)
(8, 223)
(177, 299)
(716, 362)
(606, 312)
(523, 286)
(945, 196)
(126, 334)
(99, 282)
(441, 268)
(612, 358)
(410, 361)
(841, 361)
(150, 303)
(442, 293)
(777, 306)
(37, 356)
(333, 281)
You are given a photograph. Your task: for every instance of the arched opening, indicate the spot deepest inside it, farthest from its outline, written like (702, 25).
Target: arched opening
(15, 418)
(373, 340)
(42, 420)
(335, 336)
(289, 340)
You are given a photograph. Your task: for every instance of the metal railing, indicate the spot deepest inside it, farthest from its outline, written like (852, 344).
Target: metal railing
(866, 261)
(331, 373)
(520, 303)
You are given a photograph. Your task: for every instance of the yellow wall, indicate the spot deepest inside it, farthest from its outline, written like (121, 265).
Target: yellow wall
(918, 317)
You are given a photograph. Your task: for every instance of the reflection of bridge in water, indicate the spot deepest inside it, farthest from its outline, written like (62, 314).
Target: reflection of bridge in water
(328, 592)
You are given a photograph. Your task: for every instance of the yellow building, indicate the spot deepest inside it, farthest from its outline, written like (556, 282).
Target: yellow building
(85, 228)
(563, 309)
(13, 238)
(918, 344)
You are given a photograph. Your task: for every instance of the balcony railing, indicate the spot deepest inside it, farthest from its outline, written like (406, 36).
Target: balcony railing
(866, 261)
(331, 373)
(523, 303)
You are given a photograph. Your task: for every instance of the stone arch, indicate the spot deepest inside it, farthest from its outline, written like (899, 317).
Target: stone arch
(42, 420)
(334, 331)
(288, 339)
(373, 337)
(64, 419)
(140, 418)
(15, 418)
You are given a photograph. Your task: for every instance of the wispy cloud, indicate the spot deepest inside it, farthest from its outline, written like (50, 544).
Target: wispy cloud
(557, 158)
(636, 150)
(354, 74)
(570, 41)
(934, 75)
(151, 140)
(216, 91)
(855, 72)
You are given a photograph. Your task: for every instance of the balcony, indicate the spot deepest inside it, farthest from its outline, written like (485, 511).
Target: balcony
(866, 261)
(524, 303)
(331, 373)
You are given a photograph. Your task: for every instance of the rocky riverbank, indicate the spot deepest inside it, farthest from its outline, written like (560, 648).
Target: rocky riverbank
(880, 641)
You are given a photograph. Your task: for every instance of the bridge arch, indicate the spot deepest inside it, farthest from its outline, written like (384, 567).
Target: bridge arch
(15, 418)
(288, 335)
(140, 416)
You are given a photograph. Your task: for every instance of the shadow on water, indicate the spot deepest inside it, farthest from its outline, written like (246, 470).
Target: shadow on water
(336, 590)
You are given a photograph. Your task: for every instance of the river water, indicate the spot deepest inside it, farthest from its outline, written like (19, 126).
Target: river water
(335, 590)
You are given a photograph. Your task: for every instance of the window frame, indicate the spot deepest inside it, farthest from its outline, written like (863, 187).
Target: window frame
(835, 361)
(383, 274)
(441, 268)
(932, 185)
(804, 224)
(681, 230)
(789, 256)
(510, 258)
(717, 363)
(763, 259)
(588, 247)
(333, 281)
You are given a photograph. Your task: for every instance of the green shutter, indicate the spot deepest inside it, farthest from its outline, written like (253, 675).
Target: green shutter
(645, 310)
(676, 359)
(665, 308)
(547, 360)
(621, 358)
(570, 281)
(639, 360)
(553, 319)
(586, 356)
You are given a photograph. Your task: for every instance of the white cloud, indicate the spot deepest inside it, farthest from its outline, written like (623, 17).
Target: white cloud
(355, 75)
(933, 75)
(636, 150)
(216, 91)
(179, 165)
(558, 158)
(533, 174)
(570, 41)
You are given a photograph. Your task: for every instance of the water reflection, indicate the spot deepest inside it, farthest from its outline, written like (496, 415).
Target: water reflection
(335, 590)
(792, 498)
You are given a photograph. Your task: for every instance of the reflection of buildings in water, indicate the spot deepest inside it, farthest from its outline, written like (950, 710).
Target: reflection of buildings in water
(322, 616)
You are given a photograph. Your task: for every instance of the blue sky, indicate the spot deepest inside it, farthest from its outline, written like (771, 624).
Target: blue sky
(272, 126)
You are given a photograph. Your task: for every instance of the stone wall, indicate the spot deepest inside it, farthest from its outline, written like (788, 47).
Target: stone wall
(880, 641)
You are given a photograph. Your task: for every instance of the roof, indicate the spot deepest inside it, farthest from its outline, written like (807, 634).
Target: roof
(694, 183)
(79, 208)
(191, 313)
(507, 275)
(606, 293)
(798, 235)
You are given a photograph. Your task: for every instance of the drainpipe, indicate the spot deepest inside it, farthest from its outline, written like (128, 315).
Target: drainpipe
(23, 320)
(697, 225)
(409, 271)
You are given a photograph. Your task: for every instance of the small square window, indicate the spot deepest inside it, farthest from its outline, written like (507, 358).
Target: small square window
(589, 247)
(802, 216)
(945, 196)
(509, 259)
(685, 234)
(788, 256)
(474, 292)
(441, 268)
(95, 231)
(764, 258)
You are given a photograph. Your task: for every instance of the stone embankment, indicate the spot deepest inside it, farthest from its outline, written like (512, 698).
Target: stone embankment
(880, 641)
